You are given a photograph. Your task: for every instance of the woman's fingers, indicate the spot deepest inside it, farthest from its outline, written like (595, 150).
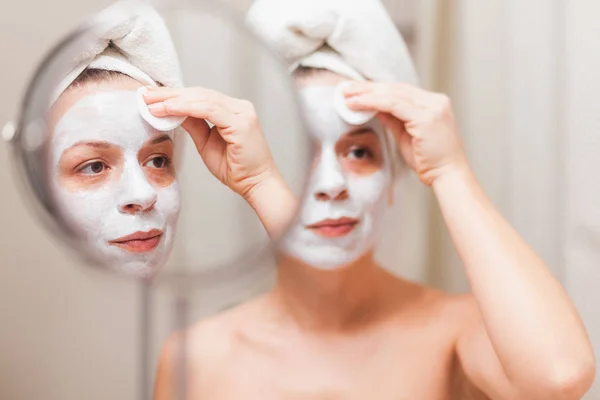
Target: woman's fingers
(402, 89)
(158, 110)
(406, 148)
(209, 143)
(399, 99)
(212, 112)
(401, 136)
(357, 89)
(199, 103)
(411, 105)
(397, 106)
(158, 95)
(198, 130)
(392, 123)
(154, 95)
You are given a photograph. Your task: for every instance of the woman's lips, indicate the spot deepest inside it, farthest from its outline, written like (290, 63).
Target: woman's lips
(332, 228)
(139, 242)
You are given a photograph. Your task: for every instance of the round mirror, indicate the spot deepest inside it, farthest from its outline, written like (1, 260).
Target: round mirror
(134, 190)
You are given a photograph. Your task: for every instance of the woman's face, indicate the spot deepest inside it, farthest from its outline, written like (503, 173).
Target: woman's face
(113, 177)
(347, 195)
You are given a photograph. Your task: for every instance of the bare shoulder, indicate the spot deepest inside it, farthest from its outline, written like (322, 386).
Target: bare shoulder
(207, 346)
(457, 311)
(212, 339)
(209, 342)
(461, 308)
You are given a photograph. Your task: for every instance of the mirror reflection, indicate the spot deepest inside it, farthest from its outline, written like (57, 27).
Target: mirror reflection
(125, 144)
(112, 164)
(113, 174)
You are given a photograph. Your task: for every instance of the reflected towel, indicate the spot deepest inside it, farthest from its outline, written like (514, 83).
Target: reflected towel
(132, 39)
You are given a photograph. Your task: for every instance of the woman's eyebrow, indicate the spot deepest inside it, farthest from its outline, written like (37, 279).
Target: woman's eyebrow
(160, 139)
(98, 145)
(361, 131)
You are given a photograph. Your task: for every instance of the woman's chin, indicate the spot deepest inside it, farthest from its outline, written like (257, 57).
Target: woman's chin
(139, 269)
(142, 261)
(323, 259)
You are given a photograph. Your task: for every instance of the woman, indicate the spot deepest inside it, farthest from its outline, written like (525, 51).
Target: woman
(111, 166)
(113, 176)
(336, 325)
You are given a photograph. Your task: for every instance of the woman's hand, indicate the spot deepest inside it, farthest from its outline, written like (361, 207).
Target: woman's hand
(422, 122)
(234, 149)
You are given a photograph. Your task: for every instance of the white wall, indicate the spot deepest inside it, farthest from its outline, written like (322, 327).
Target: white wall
(582, 162)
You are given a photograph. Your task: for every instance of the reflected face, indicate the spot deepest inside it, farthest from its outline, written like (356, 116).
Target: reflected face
(114, 179)
(347, 196)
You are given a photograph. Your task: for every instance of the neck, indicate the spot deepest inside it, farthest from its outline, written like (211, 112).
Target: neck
(344, 299)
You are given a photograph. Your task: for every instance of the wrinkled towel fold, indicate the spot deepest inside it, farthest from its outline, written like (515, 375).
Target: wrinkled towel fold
(354, 38)
(132, 39)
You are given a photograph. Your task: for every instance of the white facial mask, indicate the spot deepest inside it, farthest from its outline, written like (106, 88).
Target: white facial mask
(98, 212)
(367, 195)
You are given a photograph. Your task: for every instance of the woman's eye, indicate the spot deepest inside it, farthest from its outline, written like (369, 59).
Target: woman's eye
(158, 162)
(94, 168)
(359, 153)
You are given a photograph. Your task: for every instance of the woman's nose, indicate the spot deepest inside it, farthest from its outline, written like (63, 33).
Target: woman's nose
(138, 194)
(139, 205)
(330, 180)
(338, 194)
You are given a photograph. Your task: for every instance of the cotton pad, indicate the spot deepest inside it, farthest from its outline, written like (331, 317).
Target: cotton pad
(349, 116)
(163, 124)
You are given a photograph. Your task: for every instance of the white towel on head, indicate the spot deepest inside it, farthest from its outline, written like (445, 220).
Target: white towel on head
(130, 37)
(133, 39)
(354, 38)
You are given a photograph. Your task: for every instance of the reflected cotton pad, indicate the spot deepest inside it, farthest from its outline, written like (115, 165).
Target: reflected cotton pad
(163, 124)
(349, 116)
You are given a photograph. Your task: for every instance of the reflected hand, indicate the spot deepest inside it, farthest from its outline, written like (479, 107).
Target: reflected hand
(234, 149)
(421, 121)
